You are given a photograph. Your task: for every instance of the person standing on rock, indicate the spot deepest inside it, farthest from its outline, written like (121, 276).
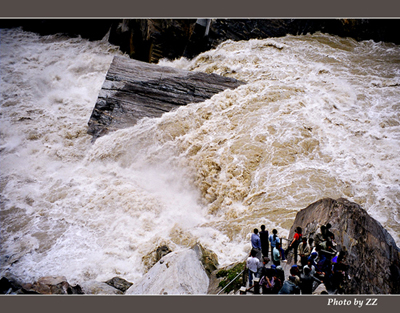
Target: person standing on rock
(256, 243)
(252, 264)
(295, 243)
(264, 241)
(304, 252)
(320, 237)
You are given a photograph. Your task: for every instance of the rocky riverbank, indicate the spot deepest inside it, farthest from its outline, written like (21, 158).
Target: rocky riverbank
(372, 256)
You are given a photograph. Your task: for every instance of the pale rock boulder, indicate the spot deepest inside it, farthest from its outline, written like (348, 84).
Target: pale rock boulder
(99, 288)
(177, 273)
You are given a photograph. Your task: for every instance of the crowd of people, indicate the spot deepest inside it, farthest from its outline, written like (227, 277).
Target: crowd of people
(316, 262)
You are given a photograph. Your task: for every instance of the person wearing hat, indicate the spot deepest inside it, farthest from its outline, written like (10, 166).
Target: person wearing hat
(313, 258)
(294, 271)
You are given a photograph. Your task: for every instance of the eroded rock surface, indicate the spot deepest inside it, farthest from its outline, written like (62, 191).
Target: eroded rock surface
(373, 257)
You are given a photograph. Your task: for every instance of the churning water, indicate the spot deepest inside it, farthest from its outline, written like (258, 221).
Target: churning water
(319, 117)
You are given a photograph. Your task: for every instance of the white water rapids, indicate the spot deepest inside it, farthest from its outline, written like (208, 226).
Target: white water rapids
(319, 117)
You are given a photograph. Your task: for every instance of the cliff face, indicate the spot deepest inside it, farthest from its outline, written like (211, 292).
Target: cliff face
(373, 257)
(152, 39)
(149, 40)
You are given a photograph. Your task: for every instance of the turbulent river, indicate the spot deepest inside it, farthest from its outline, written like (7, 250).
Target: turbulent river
(319, 117)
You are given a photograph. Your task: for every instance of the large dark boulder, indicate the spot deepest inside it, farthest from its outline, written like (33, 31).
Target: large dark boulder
(372, 254)
(133, 90)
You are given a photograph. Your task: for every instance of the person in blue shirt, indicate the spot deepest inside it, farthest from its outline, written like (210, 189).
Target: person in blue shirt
(256, 243)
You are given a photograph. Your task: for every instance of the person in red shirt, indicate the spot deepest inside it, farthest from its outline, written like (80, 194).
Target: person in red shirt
(295, 243)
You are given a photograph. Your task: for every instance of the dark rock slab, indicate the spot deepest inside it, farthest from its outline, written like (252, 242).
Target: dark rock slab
(372, 254)
(133, 90)
(119, 283)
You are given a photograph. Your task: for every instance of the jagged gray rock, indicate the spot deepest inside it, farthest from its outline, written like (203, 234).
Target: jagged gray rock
(119, 283)
(373, 257)
(133, 90)
(94, 287)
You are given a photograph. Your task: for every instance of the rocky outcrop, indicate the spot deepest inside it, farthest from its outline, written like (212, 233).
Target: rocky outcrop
(208, 258)
(51, 285)
(178, 272)
(133, 90)
(372, 254)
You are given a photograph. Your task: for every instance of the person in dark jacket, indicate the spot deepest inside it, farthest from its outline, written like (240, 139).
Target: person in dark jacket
(264, 235)
(289, 287)
(307, 280)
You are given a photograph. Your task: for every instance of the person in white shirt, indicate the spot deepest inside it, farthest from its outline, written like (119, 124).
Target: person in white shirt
(252, 264)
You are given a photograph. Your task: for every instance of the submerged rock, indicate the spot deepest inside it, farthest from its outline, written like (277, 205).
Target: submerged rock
(153, 257)
(119, 283)
(372, 254)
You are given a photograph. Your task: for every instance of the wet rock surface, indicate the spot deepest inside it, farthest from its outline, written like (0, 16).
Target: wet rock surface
(372, 254)
(51, 285)
(119, 283)
(133, 90)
